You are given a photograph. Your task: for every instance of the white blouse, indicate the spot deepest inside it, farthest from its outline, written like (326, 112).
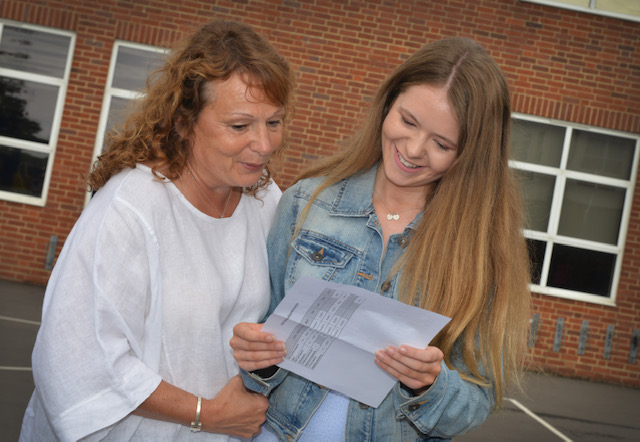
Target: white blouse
(146, 288)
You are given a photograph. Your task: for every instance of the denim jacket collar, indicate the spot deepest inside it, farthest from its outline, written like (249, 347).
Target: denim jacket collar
(354, 196)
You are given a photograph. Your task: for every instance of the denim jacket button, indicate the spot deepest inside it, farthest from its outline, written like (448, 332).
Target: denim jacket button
(403, 241)
(363, 406)
(414, 407)
(317, 256)
(386, 286)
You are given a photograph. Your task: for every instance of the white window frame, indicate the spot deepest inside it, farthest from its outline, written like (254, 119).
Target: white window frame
(562, 174)
(111, 92)
(592, 9)
(50, 147)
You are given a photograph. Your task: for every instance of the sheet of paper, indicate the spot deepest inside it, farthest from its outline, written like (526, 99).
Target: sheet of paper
(332, 332)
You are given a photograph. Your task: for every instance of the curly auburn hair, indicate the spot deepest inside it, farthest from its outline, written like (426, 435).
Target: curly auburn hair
(176, 93)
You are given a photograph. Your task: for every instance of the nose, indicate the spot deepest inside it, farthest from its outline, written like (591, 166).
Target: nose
(265, 141)
(416, 147)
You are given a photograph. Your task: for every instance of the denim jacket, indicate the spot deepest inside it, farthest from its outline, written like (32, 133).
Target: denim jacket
(341, 240)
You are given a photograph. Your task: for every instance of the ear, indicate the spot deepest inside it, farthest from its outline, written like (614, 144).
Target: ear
(182, 131)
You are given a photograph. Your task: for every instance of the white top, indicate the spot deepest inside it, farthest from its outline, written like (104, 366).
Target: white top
(146, 288)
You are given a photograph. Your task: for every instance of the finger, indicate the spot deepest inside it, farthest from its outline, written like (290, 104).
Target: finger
(259, 357)
(427, 355)
(394, 361)
(413, 373)
(414, 358)
(391, 369)
(414, 383)
(251, 332)
(242, 344)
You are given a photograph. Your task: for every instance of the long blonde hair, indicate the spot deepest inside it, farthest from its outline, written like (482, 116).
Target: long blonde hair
(468, 258)
(177, 92)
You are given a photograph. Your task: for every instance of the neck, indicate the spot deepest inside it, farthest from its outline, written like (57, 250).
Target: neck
(397, 199)
(212, 202)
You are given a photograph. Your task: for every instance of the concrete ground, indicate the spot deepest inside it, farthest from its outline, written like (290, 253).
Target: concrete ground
(551, 408)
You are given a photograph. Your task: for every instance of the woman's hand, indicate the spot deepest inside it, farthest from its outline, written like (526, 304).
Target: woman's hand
(255, 349)
(415, 368)
(235, 411)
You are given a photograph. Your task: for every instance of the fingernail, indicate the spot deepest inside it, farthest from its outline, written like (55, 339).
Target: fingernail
(402, 350)
(389, 350)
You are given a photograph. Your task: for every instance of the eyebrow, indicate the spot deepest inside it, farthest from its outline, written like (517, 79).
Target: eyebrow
(281, 111)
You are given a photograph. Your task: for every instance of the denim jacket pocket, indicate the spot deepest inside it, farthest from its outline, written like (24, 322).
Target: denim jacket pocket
(319, 256)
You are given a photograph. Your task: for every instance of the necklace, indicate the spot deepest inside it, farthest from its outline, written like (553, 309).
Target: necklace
(221, 214)
(391, 216)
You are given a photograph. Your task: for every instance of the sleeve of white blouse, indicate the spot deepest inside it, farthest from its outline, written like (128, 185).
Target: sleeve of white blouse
(96, 356)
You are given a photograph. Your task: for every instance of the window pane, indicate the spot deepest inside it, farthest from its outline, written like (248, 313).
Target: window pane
(581, 270)
(133, 66)
(22, 171)
(537, 190)
(536, 256)
(591, 211)
(27, 109)
(536, 143)
(619, 6)
(34, 51)
(117, 116)
(601, 154)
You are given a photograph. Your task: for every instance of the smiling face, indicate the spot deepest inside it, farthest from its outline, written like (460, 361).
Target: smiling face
(234, 135)
(419, 138)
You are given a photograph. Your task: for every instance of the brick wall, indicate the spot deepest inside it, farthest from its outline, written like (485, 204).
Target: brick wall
(560, 64)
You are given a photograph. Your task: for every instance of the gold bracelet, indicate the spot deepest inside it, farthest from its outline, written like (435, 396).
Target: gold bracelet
(196, 425)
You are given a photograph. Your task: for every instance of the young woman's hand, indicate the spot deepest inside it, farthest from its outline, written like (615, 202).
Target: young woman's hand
(255, 349)
(415, 368)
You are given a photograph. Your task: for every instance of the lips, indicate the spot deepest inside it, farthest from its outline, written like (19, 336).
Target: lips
(404, 164)
(254, 166)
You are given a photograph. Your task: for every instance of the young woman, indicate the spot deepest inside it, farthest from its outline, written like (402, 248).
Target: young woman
(422, 207)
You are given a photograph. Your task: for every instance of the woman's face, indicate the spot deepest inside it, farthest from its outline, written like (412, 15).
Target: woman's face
(419, 137)
(235, 134)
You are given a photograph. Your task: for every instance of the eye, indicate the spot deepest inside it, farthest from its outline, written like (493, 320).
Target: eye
(274, 123)
(442, 146)
(239, 127)
(407, 122)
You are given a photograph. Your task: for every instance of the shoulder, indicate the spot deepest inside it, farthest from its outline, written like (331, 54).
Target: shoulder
(270, 194)
(304, 189)
(265, 199)
(262, 207)
(134, 194)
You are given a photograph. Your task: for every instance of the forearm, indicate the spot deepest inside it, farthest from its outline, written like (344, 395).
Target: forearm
(234, 410)
(172, 404)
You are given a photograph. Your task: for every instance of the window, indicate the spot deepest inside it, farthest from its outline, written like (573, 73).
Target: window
(577, 184)
(34, 72)
(622, 9)
(130, 66)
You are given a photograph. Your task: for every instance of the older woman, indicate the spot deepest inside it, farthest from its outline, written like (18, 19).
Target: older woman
(168, 256)
(421, 207)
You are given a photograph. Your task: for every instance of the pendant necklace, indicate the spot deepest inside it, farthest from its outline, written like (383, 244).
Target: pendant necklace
(391, 216)
(221, 214)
